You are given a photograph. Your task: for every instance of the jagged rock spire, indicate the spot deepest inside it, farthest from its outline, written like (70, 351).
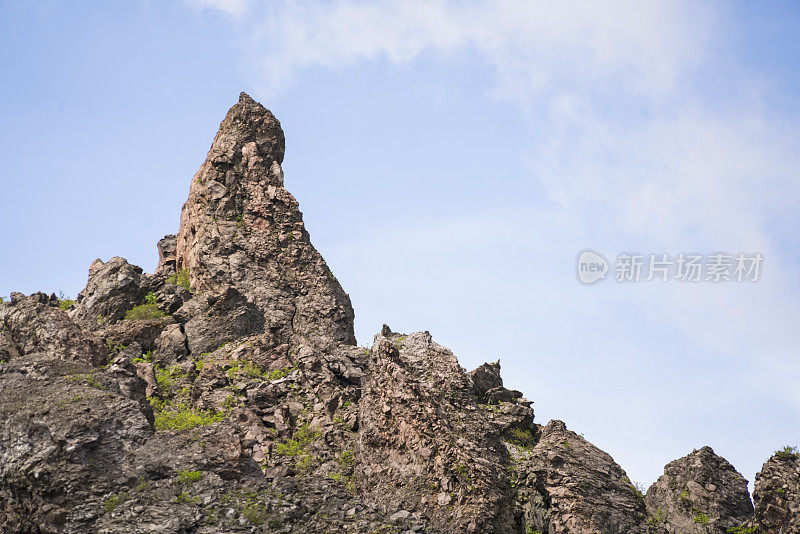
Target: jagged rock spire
(241, 228)
(700, 492)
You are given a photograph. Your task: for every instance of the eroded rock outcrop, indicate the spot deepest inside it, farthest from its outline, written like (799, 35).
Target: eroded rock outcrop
(777, 493)
(566, 484)
(241, 228)
(700, 492)
(36, 324)
(424, 443)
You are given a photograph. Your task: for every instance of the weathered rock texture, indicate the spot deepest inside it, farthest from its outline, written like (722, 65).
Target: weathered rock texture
(225, 393)
(241, 228)
(777, 494)
(700, 492)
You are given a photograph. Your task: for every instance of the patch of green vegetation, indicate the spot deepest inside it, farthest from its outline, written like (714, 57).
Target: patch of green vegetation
(147, 310)
(189, 477)
(398, 342)
(255, 512)
(521, 437)
(700, 517)
(65, 304)
(146, 357)
(530, 530)
(788, 453)
(252, 370)
(165, 377)
(184, 497)
(344, 475)
(114, 348)
(781, 492)
(181, 278)
(88, 379)
(637, 489)
(250, 504)
(180, 416)
(277, 374)
(298, 448)
(245, 368)
(230, 402)
(742, 530)
(657, 519)
(113, 501)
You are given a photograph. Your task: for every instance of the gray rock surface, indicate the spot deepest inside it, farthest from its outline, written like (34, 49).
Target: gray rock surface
(36, 324)
(114, 287)
(565, 484)
(700, 492)
(776, 494)
(241, 228)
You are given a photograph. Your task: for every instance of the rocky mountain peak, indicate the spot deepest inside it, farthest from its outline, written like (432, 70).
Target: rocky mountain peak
(240, 228)
(700, 492)
(777, 493)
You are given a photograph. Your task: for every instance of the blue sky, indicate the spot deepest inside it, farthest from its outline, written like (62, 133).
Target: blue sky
(451, 160)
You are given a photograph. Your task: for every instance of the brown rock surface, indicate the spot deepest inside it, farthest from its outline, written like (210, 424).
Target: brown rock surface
(700, 492)
(241, 228)
(776, 493)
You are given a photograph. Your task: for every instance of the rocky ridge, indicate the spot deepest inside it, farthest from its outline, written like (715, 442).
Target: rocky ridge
(225, 393)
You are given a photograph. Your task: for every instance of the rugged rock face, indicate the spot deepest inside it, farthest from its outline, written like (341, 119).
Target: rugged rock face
(241, 228)
(700, 492)
(424, 442)
(36, 324)
(566, 484)
(777, 494)
(225, 393)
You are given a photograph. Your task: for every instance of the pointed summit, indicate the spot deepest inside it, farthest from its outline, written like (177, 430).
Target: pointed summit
(248, 122)
(241, 229)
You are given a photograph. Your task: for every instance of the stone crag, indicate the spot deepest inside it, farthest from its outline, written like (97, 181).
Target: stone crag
(225, 393)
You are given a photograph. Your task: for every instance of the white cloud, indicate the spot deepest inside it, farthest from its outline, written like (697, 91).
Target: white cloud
(532, 45)
(236, 8)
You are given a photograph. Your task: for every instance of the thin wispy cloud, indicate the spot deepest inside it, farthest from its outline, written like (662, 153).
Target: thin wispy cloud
(235, 8)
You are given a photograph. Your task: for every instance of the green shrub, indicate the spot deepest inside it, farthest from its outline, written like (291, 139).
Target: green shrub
(189, 477)
(165, 377)
(181, 416)
(788, 453)
(521, 437)
(298, 448)
(656, 519)
(185, 497)
(742, 530)
(146, 357)
(700, 518)
(113, 501)
(252, 370)
(147, 310)
(64, 304)
(181, 278)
